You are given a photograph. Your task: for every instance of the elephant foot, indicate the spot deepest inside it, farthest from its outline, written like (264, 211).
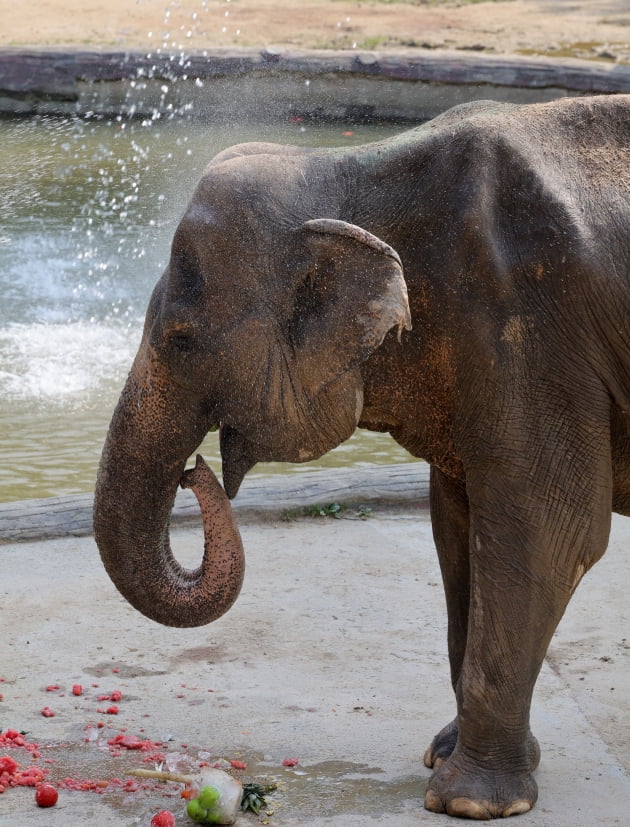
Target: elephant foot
(444, 743)
(442, 746)
(463, 789)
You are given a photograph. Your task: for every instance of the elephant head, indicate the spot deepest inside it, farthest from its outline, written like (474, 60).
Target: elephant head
(259, 326)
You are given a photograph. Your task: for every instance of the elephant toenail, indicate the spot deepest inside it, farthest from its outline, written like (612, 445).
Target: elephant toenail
(466, 808)
(517, 808)
(433, 802)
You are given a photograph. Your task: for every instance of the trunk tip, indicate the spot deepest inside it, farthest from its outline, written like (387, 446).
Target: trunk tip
(193, 476)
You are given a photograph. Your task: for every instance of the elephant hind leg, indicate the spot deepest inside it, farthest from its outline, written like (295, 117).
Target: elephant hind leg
(451, 527)
(450, 523)
(441, 747)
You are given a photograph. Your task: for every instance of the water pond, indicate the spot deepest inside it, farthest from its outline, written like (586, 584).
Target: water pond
(87, 212)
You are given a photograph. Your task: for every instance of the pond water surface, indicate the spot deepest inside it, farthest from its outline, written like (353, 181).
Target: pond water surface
(87, 212)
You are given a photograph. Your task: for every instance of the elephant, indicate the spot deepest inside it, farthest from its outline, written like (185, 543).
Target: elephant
(464, 286)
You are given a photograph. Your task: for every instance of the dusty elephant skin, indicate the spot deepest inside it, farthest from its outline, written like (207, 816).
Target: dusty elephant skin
(464, 286)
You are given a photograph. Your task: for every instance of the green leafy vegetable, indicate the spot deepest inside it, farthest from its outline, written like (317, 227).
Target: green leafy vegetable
(254, 796)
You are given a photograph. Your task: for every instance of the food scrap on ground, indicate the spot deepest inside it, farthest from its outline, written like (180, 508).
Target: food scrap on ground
(254, 796)
(12, 739)
(46, 795)
(214, 796)
(164, 818)
(252, 793)
(116, 695)
(13, 774)
(77, 691)
(211, 794)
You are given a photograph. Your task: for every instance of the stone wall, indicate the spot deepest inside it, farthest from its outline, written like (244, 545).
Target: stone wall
(268, 84)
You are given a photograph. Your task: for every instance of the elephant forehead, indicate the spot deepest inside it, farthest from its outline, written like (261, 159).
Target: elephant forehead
(265, 191)
(243, 226)
(217, 237)
(226, 193)
(215, 221)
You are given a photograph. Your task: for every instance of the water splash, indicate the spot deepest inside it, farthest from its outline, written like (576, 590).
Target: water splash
(87, 210)
(62, 364)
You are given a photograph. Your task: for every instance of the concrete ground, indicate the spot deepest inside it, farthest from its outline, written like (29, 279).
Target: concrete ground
(334, 654)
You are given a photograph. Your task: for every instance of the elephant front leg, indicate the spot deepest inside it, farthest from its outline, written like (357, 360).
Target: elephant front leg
(489, 773)
(451, 528)
(526, 554)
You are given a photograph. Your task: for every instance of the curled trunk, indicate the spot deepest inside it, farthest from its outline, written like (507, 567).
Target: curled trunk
(141, 467)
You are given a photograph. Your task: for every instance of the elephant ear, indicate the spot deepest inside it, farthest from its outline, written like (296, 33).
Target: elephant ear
(353, 292)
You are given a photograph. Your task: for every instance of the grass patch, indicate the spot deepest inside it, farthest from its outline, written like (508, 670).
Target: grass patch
(333, 511)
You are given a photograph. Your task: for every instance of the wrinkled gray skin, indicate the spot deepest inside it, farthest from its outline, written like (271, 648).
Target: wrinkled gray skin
(283, 316)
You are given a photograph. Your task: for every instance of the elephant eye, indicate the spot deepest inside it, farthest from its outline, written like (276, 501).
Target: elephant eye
(183, 344)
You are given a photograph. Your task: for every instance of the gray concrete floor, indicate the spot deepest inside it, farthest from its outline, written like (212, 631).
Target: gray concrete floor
(335, 653)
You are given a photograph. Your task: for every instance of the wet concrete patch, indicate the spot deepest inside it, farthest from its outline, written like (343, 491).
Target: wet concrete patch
(120, 669)
(340, 788)
(202, 654)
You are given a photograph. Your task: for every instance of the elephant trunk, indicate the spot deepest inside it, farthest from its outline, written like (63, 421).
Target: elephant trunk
(141, 467)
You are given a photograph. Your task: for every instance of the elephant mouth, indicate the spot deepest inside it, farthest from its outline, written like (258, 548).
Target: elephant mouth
(236, 458)
(239, 455)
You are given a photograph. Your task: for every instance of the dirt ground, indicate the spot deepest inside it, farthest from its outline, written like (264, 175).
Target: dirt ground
(595, 29)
